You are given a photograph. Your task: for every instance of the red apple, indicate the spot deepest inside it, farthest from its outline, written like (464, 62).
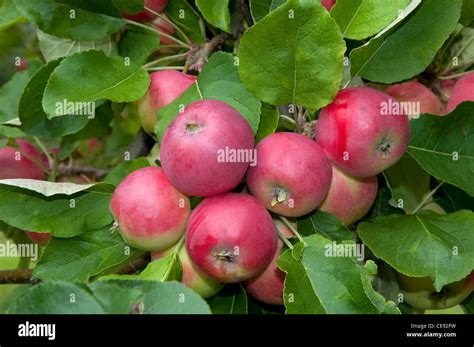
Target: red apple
(415, 92)
(231, 237)
(145, 16)
(292, 175)
(268, 286)
(420, 293)
(166, 86)
(363, 131)
(39, 238)
(463, 90)
(207, 149)
(150, 212)
(22, 162)
(166, 27)
(349, 198)
(328, 4)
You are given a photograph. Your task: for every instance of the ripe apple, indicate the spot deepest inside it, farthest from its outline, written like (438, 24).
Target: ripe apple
(292, 176)
(166, 86)
(328, 4)
(463, 90)
(363, 131)
(207, 149)
(192, 277)
(150, 212)
(145, 16)
(349, 198)
(231, 237)
(22, 162)
(420, 293)
(415, 92)
(39, 238)
(268, 286)
(166, 27)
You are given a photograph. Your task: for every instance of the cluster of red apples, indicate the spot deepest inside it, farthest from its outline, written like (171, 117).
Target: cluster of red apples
(233, 234)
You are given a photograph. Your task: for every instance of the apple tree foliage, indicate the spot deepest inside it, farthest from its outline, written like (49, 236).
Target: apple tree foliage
(273, 55)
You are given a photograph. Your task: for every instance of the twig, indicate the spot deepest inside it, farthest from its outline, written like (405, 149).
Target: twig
(134, 266)
(72, 170)
(242, 16)
(199, 55)
(16, 276)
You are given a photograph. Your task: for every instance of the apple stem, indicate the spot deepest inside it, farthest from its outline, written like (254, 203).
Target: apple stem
(146, 27)
(51, 162)
(455, 75)
(428, 197)
(186, 37)
(284, 239)
(293, 230)
(171, 57)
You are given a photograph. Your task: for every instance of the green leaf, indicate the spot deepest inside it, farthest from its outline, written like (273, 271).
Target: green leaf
(232, 299)
(9, 14)
(137, 44)
(305, 48)
(184, 15)
(91, 20)
(427, 244)
(90, 76)
(326, 225)
(360, 19)
(219, 81)
(260, 8)
(467, 13)
(408, 49)
(115, 299)
(216, 13)
(124, 169)
(55, 298)
(98, 127)
(163, 297)
(444, 146)
(10, 94)
(409, 183)
(53, 47)
(317, 283)
(30, 109)
(269, 120)
(63, 216)
(80, 258)
(164, 269)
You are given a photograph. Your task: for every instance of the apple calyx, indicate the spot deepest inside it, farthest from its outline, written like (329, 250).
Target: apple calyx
(280, 195)
(226, 256)
(193, 128)
(385, 147)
